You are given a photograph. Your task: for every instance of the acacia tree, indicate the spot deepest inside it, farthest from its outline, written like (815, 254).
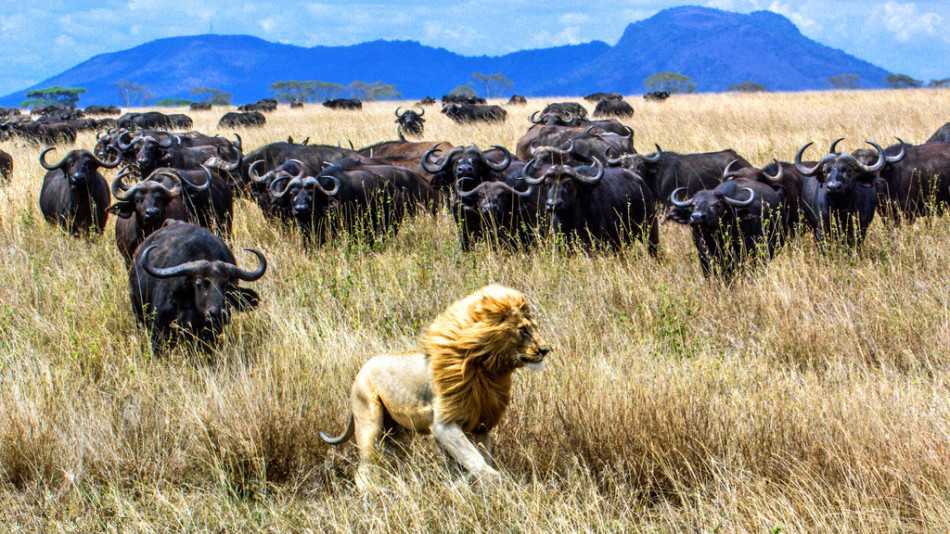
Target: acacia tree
(493, 84)
(369, 92)
(53, 96)
(939, 83)
(902, 81)
(747, 87)
(215, 97)
(462, 90)
(844, 81)
(671, 82)
(133, 94)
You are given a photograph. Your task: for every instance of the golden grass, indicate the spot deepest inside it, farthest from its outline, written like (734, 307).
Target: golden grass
(811, 395)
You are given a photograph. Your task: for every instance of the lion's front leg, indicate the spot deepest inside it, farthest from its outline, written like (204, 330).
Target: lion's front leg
(451, 437)
(483, 443)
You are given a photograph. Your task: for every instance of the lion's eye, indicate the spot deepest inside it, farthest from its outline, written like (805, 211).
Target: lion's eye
(525, 332)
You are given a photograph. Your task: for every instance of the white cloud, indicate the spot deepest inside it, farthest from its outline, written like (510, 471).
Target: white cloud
(906, 24)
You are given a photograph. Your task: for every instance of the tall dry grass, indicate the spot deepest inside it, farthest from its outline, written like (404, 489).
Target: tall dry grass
(811, 395)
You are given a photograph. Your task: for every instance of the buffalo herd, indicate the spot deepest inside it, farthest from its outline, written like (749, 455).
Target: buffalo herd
(572, 179)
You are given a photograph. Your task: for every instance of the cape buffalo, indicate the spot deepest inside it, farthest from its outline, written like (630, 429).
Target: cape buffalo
(840, 192)
(248, 119)
(184, 285)
(6, 168)
(732, 223)
(143, 208)
(942, 135)
(664, 172)
(410, 123)
(517, 100)
(344, 103)
(466, 113)
(103, 110)
(74, 194)
(507, 212)
(613, 108)
(610, 207)
(917, 179)
(600, 97)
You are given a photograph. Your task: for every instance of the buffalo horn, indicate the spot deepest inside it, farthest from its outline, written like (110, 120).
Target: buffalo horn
(680, 203)
(742, 203)
(47, 166)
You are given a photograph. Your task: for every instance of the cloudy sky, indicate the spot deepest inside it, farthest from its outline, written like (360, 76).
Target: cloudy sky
(41, 38)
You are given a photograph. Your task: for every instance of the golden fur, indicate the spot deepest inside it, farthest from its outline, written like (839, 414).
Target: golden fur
(457, 387)
(473, 348)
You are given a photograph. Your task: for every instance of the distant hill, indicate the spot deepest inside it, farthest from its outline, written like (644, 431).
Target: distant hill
(716, 48)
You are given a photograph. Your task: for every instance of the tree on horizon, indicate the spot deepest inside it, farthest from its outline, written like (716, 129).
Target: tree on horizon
(133, 94)
(53, 96)
(844, 81)
(671, 82)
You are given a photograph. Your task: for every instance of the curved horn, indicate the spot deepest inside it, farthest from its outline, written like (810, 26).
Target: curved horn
(570, 117)
(253, 175)
(274, 190)
(249, 276)
(591, 180)
(462, 193)
(233, 166)
(528, 171)
(167, 143)
(798, 162)
(728, 172)
(443, 161)
(655, 158)
(503, 164)
(109, 164)
(175, 177)
(168, 272)
(325, 191)
(900, 155)
(122, 145)
(120, 191)
(881, 159)
(47, 166)
(397, 112)
(742, 203)
(833, 149)
(422, 111)
(611, 161)
(680, 203)
(778, 176)
(526, 193)
(629, 131)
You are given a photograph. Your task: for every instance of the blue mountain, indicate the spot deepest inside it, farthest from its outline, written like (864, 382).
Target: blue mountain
(716, 48)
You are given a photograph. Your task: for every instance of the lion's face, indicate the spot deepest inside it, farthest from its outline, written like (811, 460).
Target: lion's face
(526, 341)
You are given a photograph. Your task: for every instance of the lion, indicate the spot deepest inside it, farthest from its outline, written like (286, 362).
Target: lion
(456, 388)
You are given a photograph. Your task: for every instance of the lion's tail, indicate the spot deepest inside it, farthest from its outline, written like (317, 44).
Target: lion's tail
(342, 438)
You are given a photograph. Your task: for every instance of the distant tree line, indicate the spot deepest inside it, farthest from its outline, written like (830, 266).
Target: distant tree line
(317, 91)
(895, 81)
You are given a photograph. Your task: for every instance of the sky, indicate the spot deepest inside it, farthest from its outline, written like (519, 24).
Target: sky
(41, 38)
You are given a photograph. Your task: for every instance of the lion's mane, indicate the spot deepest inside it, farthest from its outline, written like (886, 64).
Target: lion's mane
(471, 348)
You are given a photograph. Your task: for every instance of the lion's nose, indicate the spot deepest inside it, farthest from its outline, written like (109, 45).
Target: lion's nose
(543, 351)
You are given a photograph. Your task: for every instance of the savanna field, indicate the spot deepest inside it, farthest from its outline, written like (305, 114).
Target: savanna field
(811, 395)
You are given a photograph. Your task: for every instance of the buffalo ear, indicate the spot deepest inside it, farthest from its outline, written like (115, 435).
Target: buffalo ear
(679, 215)
(123, 210)
(243, 299)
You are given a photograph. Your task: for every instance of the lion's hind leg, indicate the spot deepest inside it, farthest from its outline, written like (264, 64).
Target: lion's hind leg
(368, 414)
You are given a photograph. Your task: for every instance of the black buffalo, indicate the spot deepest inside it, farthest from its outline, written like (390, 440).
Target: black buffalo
(6, 168)
(142, 121)
(465, 113)
(610, 207)
(574, 108)
(344, 103)
(665, 172)
(732, 224)
(74, 194)
(470, 100)
(368, 202)
(613, 108)
(199, 106)
(427, 101)
(656, 96)
(233, 119)
(265, 106)
(507, 212)
(465, 162)
(841, 193)
(600, 97)
(917, 179)
(143, 208)
(517, 100)
(942, 135)
(103, 110)
(410, 122)
(184, 285)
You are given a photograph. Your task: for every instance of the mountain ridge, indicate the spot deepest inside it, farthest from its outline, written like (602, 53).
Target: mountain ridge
(716, 48)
